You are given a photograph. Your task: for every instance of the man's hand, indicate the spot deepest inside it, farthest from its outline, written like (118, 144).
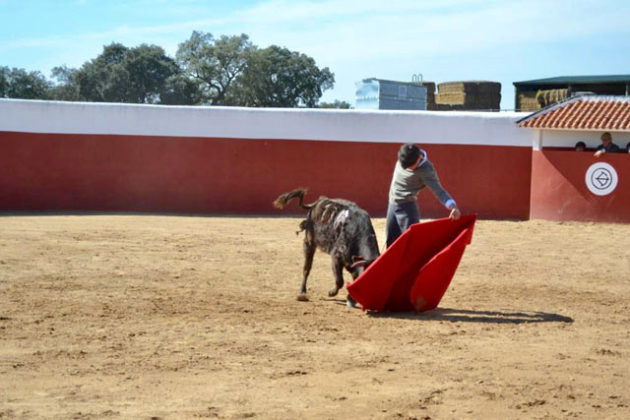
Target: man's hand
(455, 213)
(599, 153)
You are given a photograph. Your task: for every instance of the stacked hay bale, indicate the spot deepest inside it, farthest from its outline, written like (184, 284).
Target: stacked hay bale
(551, 96)
(471, 95)
(527, 101)
(534, 100)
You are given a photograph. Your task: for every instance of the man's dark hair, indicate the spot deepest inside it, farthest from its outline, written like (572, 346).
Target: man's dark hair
(580, 144)
(408, 154)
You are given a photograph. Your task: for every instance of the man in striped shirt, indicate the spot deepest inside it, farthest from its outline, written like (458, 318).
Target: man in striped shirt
(413, 172)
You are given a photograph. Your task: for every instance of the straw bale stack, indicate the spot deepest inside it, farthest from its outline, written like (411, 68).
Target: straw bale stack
(479, 95)
(551, 96)
(527, 101)
(472, 87)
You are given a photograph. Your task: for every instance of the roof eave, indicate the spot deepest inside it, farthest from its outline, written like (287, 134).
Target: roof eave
(612, 130)
(612, 78)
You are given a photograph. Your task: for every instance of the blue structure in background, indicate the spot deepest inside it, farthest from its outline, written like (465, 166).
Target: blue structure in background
(375, 93)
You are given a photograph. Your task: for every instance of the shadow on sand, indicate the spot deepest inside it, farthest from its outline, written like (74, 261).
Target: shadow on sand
(467, 315)
(464, 315)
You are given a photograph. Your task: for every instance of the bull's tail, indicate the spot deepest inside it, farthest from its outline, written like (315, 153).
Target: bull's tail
(284, 199)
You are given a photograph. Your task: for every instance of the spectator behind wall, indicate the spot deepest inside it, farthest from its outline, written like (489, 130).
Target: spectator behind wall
(628, 148)
(580, 146)
(607, 146)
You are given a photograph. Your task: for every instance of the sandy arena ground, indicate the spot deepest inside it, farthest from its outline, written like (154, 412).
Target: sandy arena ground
(129, 316)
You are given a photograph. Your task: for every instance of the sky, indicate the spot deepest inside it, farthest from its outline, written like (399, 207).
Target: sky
(440, 41)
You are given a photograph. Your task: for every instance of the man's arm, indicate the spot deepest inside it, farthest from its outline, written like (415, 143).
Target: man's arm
(431, 180)
(599, 151)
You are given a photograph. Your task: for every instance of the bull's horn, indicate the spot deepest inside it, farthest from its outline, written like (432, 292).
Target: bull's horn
(359, 263)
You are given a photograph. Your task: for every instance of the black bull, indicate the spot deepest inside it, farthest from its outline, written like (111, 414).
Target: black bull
(341, 229)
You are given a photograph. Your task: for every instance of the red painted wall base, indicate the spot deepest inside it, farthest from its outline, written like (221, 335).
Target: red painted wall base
(559, 190)
(63, 172)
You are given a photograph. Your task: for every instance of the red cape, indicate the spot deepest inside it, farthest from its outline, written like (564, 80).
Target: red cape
(415, 271)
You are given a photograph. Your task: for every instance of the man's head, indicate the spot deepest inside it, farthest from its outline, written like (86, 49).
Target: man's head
(408, 155)
(606, 139)
(580, 146)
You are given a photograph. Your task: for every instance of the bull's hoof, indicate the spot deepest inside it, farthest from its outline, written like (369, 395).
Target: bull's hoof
(302, 297)
(333, 292)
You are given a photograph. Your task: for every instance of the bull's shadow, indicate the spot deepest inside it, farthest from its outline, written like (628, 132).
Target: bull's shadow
(466, 315)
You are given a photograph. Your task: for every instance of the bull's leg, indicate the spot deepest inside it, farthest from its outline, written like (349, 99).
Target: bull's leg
(337, 266)
(309, 252)
(351, 302)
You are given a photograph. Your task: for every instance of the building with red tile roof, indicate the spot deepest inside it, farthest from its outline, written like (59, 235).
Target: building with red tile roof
(571, 184)
(586, 113)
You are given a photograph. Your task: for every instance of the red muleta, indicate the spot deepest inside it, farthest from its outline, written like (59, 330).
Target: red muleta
(415, 271)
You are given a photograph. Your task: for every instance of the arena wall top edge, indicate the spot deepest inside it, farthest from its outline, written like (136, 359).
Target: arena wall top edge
(432, 127)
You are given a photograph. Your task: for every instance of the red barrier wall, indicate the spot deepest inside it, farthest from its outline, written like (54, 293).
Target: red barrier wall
(559, 190)
(58, 172)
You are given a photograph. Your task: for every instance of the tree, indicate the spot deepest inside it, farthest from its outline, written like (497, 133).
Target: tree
(214, 64)
(277, 77)
(229, 70)
(4, 81)
(121, 74)
(336, 104)
(181, 90)
(148, 67)
(65, 88)
(97, 79)
(19, 83)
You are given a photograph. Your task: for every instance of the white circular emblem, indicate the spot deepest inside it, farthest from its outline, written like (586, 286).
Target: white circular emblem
(601, 178)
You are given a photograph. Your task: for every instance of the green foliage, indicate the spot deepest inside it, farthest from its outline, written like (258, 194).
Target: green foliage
(19, 83)
(336, 104)
(214, 64)
(65, 89)
(121, 74)
(229, 70)
(181, 90)
(277, 77)
(4, 81)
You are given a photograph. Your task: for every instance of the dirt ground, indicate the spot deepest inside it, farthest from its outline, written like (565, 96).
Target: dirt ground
(147, 316)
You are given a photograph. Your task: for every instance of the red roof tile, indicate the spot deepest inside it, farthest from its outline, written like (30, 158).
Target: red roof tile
(583, 113)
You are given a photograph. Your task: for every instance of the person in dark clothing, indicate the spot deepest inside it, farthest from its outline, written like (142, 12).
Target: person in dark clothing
(580, 146)
(607, 146)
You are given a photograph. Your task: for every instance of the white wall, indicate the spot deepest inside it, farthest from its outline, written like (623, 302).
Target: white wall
(452, 127)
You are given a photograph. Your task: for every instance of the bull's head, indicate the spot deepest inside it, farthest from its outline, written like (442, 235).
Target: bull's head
(358, 266)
